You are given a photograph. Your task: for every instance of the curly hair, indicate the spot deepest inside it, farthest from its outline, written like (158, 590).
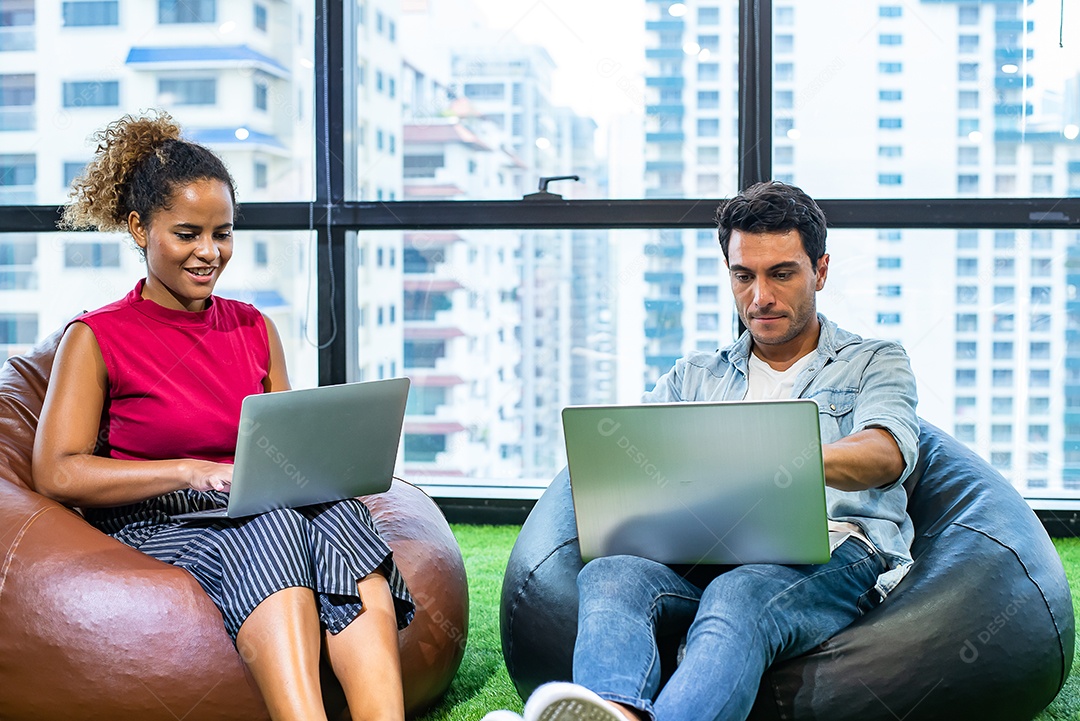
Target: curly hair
(138, 165)
(773, 206)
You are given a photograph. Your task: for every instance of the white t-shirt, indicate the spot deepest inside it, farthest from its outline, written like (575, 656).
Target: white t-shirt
(766, 383)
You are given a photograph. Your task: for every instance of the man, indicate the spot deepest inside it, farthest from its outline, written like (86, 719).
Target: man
(742, 621)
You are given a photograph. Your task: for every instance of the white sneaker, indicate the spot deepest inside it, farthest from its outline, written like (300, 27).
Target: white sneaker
(562, 701)
(501, 715)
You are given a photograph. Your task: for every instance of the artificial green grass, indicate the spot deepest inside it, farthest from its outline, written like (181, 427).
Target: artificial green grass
(482, 684)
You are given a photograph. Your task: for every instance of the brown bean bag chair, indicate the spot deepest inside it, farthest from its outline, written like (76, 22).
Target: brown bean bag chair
(93, 629)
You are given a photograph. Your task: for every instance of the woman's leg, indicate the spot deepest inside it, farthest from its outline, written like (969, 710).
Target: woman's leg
(364, 656)
(280, 641)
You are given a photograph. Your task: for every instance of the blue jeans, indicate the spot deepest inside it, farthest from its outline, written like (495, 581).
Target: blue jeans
(743, 621)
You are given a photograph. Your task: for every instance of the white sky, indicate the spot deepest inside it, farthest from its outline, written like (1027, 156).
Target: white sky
(596, 44)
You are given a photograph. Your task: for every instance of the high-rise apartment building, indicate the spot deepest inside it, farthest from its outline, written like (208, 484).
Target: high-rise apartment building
(983, 313)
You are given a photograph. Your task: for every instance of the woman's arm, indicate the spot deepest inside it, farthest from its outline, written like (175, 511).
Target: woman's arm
(278, 377)
(65, 468)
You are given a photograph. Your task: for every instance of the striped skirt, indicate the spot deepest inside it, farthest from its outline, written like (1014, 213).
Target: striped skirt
(327, 547)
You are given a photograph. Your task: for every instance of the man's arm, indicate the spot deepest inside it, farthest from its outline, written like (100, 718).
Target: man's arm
(867, 459)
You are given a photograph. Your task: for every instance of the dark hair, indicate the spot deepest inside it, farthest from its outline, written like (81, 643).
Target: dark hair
(773, 206)
(139, 164)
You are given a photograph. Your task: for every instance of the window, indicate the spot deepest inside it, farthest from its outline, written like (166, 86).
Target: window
(708, 127)
(708, 16)
(1004, 239)
(965, 406)
(1039, 350)
(1003, 350)
(708, 294)
(18, 328)
(708, 266)
(708, 72)
(968, 71)
(187, 91)
(1001, 405)
(890, 179)
(967, 239)
(708, 321)
(967, 322)
(890, 11)
(1038, 433)
(1039, 378)
(890, 68)
(709, 42)
(1001, 460)
(708, 99)
(262, 95)
(1001, 433)
(91, 255)
(968, 14)
(1039, 406)
(967, 294)
(890, 123)
(965, 377)
(784, 72)
(967, 266)
(966, 126)
(262, 174)
(1005, 154)
(967, 156)
(17, 96)
(1040, 295)
(968, 100)
(1042, 184)
(885, 263)
(968, 44)
(1041, 267)
(890, 96)
(72, 171)
(890, 151)
(888, 318)
(186, 11)
(966, 350)
(423, 448)
(92, 94)
(964, 432)
(888, 291)
(967, 183)
(260, 20)
(1004, 267)
(1002, 378)
(890, 39)
(784, 99)
(90, 13)
(1004, 323)
(783, 44)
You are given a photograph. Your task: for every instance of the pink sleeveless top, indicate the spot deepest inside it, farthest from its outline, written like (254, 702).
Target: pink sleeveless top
(177, 378)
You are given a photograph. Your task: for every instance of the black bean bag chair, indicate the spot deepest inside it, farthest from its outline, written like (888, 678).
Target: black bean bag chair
(982, 626)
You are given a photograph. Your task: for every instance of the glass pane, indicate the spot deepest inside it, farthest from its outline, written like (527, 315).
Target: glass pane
(462, 102)
(499, 330)
(931, 99)
(989, 327)
(242, 84)
(47, 279)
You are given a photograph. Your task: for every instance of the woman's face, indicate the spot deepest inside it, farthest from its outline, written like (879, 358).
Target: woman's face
(187, 244)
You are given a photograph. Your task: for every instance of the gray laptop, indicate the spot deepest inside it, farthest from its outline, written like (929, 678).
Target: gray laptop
(699, 483)
(299, 447)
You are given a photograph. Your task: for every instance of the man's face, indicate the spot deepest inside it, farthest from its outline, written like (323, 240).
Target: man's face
(774, 283)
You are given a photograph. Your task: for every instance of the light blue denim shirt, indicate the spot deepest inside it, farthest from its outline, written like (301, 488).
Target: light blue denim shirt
(857, 384)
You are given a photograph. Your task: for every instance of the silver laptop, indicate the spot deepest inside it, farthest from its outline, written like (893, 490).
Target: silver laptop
(699, 483)
(299, 447)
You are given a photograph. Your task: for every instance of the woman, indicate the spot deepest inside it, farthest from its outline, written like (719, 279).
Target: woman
(140, 422)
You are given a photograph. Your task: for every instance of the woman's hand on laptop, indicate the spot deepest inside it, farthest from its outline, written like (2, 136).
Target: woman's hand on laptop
(209, 476)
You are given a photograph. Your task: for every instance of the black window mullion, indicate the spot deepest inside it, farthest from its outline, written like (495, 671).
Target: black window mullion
(330, 73)
(755, 91)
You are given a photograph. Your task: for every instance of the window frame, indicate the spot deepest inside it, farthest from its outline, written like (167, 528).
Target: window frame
(334, 216)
